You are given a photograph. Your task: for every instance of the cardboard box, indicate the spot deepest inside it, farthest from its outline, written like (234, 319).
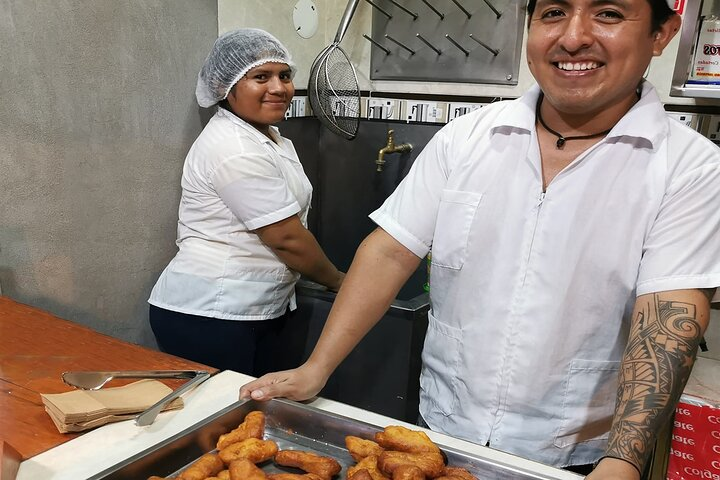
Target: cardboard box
(706, 64)
(690, 449)
(695, 444)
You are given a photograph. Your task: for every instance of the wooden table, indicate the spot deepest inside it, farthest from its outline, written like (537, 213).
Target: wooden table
(35, 348)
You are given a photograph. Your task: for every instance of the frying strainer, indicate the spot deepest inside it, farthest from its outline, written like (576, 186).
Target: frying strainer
(333, 87)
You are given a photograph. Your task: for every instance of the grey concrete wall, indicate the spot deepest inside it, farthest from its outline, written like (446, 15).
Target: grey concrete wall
(97, 112)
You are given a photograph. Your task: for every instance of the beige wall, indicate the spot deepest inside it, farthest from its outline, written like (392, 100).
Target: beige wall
(98, 112)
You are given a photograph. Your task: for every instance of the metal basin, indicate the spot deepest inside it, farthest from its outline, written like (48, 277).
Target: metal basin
(382, 373)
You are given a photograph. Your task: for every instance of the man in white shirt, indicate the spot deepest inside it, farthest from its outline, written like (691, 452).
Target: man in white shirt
(575, 251)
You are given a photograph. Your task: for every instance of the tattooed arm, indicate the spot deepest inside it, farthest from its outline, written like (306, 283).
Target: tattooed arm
(666, 330)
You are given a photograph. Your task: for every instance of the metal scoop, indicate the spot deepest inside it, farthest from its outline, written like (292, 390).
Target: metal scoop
(96, 380)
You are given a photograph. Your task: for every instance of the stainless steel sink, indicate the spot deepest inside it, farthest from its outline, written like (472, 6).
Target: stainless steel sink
(382, 373)
(417, 303)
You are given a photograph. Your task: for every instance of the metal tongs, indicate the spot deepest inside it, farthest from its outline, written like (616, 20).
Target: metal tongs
(96, 380)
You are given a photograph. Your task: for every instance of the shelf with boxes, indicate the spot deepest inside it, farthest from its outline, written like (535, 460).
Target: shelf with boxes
(706, 124)
(421, 109)
(415, 110)
(697, 65)
(441, 109)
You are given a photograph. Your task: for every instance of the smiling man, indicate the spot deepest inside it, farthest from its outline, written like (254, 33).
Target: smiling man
(575, 251)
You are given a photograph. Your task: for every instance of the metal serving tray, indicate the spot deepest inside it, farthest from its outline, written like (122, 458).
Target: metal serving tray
(291, 425)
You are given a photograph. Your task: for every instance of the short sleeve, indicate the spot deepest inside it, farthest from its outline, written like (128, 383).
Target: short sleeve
(682, 249)
(410, 212)
(253, 188)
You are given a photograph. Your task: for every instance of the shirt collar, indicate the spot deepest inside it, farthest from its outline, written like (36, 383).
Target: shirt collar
(274, 131)
(646, 119)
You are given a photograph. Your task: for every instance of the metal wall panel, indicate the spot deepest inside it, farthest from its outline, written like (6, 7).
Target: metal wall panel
(470, 41)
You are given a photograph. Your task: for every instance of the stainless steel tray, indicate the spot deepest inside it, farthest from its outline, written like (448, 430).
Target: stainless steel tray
(292, 426)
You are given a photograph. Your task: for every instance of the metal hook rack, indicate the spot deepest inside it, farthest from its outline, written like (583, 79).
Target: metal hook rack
(427, 40)
(377, 44)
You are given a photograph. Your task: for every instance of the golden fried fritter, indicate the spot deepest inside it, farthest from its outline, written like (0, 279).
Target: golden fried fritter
(310, 462)
(244, 469)
(457, 472)
(252, 427)
(224, 475)
(408, 472)
(361, 474)
(430, 463)
(252, 449)
(207, 466)
(360, 448)
(405, 440)
(369, 464)
(294, 476)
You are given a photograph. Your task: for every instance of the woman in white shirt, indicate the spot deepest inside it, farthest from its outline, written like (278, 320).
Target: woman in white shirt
(242, 230)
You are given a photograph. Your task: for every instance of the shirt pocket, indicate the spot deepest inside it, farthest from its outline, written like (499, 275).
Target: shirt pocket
(452, 229)
(588, 403)
(441, 365)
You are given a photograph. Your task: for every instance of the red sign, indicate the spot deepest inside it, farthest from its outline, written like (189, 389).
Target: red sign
(679, 6)
(695, 445)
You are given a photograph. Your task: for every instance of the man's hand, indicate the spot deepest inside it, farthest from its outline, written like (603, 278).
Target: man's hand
(297, 384)
(381, 266)
(614, 469)
(664, 337)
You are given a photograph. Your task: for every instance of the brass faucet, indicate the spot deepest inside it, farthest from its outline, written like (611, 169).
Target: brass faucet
(390, 148)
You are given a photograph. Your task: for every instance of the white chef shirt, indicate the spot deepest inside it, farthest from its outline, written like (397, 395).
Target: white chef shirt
(235, 180)
(532, 292)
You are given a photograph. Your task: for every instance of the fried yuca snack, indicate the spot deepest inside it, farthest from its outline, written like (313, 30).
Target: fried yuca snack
(361, 474)
(430, 463)
(224, 475)
(244, 469)
(408, 472)
(294, 476)
(405, 440)
(324, 467)
(360, 448)
(456, 473)
(370, 465)
(207, 466)
(252, 427)
(251, 449)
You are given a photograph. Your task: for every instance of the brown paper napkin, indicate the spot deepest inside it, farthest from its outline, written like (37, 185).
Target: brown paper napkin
(80, 410)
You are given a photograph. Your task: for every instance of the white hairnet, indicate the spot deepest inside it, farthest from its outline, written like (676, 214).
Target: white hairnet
(232, 56)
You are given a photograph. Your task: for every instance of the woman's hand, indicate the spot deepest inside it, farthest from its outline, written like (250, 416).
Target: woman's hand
(297, 384)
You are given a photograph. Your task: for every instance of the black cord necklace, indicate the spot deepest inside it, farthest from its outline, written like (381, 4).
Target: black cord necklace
(561, 138)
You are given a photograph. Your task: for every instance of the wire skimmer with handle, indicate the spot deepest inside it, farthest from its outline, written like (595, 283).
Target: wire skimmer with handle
(333, 86)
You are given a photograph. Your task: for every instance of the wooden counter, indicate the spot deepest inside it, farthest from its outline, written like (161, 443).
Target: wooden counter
(36, 347)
